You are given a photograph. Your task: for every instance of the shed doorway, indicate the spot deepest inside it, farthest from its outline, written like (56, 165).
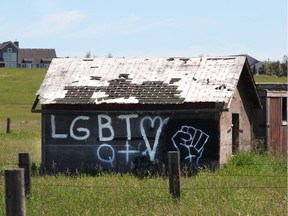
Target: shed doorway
(235, 132)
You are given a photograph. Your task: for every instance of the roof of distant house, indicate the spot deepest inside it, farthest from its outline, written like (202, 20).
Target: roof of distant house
(37, 56)
(143, 81)
(254, 62)
(3, 44)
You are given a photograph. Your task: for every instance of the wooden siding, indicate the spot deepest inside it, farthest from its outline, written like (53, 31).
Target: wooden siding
(278, 132)
(269, 127)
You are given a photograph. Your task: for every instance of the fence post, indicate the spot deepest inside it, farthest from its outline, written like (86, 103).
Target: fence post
(14, 191)
(174, 173)
(8, 125)
(24, 162)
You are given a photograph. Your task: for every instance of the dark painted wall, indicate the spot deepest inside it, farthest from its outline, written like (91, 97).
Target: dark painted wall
(115, 141)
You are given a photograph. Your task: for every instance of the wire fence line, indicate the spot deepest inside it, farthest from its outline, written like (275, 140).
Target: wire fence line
(36, 171)
(162, 188)
(183, 188)
(196, 178)
(153, 187)
(235, 165)
(165, 188)
(229, 191)
(280, 185)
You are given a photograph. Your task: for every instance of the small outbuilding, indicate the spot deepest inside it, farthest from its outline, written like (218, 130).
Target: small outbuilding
(270, 123)
(117, 113)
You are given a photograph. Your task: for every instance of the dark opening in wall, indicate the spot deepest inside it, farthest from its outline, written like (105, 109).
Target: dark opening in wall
(284, 109)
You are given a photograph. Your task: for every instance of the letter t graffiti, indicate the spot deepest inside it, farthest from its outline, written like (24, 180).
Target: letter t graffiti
(128, 128)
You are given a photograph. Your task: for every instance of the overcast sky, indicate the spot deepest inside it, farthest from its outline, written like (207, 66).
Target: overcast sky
(148, 28)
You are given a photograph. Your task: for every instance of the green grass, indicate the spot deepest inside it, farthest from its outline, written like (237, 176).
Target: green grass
(266, 78)
(249, 184)
(17, 93)
(257, 186)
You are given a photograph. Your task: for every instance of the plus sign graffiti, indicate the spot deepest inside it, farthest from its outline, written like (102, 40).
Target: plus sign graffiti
(190, 143)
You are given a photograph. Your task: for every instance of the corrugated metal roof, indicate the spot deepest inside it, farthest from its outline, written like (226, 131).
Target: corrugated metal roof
(142, 81)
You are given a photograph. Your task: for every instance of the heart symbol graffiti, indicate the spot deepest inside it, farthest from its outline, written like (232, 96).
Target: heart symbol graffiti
(152, 148)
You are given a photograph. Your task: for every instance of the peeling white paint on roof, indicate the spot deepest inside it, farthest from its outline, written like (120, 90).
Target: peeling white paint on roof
(140, 80)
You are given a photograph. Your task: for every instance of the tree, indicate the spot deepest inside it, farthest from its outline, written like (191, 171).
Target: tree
(284, 64)
(109, 55)
(254, 71)
(88, 54)
(275, 68)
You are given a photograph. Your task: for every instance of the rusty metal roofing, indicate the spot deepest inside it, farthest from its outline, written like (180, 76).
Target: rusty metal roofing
(140, 80)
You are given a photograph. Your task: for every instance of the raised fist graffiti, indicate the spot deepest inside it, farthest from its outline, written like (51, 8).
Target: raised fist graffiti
(190, 143)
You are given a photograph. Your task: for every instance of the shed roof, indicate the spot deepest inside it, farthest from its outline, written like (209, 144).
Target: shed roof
(272, 89)
(141, 81)
(270, 86)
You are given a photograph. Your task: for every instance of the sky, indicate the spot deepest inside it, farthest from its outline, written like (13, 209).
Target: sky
(148, 28)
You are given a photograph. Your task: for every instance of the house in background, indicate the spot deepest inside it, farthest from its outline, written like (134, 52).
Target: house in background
(118, 113)
(255, 65)
(12, 56)
(270, 124)
(9, 54)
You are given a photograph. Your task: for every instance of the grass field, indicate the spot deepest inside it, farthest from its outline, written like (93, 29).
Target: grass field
(17, 94)
(250, 184)
(266, 78)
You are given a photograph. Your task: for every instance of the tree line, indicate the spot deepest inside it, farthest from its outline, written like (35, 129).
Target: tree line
(275, 68)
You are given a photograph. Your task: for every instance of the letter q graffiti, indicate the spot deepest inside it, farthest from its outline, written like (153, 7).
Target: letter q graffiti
(110, 158)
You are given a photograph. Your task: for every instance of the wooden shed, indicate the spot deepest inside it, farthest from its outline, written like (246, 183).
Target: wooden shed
(270, 124)
(119, 113)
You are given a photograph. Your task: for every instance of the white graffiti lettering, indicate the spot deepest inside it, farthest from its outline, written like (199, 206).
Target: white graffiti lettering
(110, 158)
(85, 130)
(106, 125)
(53, 130)
(152, 151)
(150, 130)
(128, 128)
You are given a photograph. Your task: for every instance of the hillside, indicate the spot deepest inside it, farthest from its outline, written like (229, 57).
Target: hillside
(17, 89)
